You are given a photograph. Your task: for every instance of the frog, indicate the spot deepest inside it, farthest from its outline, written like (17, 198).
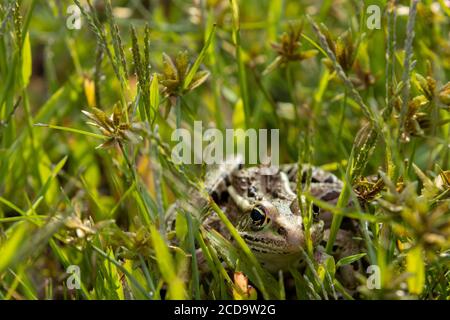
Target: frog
(263, 207)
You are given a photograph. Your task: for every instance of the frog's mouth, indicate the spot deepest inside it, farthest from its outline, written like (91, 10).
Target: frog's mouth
(274, 254)
(273, 245)
(281, 242)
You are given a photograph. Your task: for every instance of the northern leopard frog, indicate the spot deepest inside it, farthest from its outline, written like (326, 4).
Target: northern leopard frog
(265, 210)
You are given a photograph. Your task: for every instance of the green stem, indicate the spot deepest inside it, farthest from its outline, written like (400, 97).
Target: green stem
(178, 112)
(291, 88)
(337, 218)
(195, 274)
(341, 121)
(134, 176)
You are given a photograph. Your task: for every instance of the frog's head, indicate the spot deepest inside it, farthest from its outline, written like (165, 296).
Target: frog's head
(274, 230)
(272, 226)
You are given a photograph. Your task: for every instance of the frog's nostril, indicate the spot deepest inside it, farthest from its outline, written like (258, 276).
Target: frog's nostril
(282, 231)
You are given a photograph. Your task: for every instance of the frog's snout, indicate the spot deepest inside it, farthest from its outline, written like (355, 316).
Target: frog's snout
(295, 240)
(292, 231)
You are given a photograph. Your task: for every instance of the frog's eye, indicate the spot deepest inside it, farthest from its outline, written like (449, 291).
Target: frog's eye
(258, 215)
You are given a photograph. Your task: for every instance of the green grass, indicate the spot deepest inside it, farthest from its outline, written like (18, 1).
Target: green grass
(86, 116)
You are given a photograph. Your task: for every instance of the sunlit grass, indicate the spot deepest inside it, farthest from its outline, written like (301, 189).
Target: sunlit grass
(86, 117)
